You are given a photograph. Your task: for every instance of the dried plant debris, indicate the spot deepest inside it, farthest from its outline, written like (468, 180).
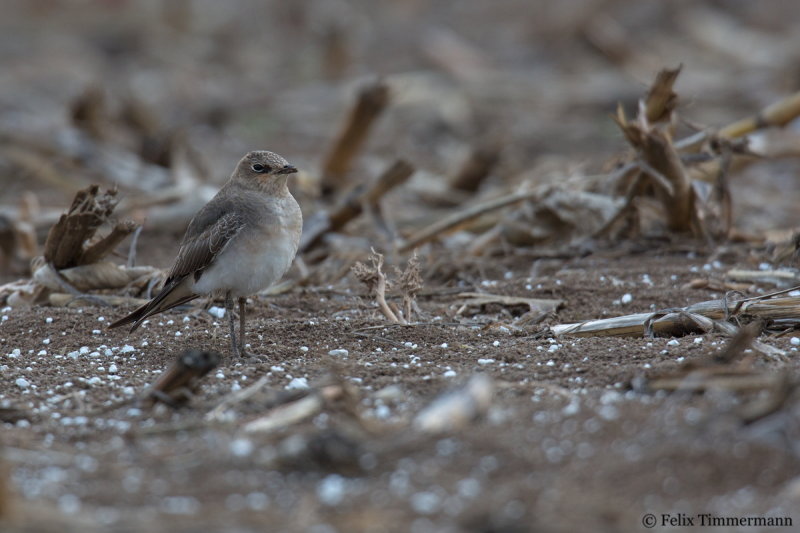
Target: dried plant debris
(779, 311)
(371, 102)
(74, 260)
(352, 205)
(455, 409)
(18, 237)
(536, 306)
(775, 278)
(408, 281)
(558, 217)
(476, 168)
(302, 405)
(178, 384)
(657, 157)
(328, 450)
(65, 245)
(732, 370)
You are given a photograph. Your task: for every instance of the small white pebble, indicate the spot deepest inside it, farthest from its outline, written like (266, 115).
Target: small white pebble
(178, 333)
(101, 319)
(127, 348)
(241, 447)
(626, 298)
(331, 490)
(49, 320)
(304, 348)
(340, 352)
(496, 343)
(297, 383)
(96, 332)
(443, 345)
(449, 374)
(112, 368)
(698, 340)
(795, 341)
(22, 383)
(219, 375)
(550, 363)
(485, 361)
(46, 341)
(215, 311)
(673, 342)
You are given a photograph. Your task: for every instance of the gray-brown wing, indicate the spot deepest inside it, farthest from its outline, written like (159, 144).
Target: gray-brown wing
(197, 253)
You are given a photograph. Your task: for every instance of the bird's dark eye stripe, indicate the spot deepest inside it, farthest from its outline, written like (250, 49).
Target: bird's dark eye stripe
(260, 168)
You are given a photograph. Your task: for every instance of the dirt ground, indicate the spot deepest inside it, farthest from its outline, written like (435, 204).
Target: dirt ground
(329, 427)
(566, 445)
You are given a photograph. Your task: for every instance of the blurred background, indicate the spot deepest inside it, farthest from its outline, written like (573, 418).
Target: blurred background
(163, 97)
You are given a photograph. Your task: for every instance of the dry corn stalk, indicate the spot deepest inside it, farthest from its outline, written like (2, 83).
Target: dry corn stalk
(65, 245)
(353, 205)
(455, 409)
(178, 383)
(782, 311)
(775, 115)
(657, 156)
(96, 276)
(371, 102)
(476, 168)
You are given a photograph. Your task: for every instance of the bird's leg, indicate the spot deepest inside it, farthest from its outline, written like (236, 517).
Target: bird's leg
(229, 310)
(242, 303)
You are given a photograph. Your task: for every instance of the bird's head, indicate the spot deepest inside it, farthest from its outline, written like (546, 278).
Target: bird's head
(266, 169)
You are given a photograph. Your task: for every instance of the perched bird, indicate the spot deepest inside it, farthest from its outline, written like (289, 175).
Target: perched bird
(239, 243)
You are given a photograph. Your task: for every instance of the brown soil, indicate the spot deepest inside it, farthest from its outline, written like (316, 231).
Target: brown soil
(565, 446)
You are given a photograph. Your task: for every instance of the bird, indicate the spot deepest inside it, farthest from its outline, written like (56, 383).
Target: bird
(242, 241)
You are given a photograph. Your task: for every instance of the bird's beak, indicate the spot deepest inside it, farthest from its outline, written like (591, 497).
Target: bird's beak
(287, 169)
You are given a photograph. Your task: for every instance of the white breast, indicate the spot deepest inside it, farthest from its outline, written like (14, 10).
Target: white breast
(258, 255)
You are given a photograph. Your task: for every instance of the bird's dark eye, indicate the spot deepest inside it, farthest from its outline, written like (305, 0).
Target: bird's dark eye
(260, 168)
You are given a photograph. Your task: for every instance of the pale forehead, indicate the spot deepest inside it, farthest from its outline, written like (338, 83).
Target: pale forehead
(266, 158)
